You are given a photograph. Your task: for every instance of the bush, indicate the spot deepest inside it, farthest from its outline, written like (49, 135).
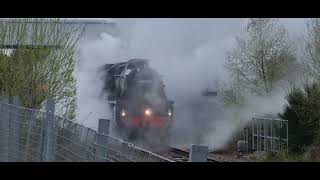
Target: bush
(312, 153)
(281, 156)
(303, 115)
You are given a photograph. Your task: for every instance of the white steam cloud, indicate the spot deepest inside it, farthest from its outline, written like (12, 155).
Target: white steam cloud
(92, 55)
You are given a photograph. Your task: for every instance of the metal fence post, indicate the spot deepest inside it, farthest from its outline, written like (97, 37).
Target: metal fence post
(272, 135)
(130, 151)
(265, 134)
(247, 145)
(15, 131)
(259, 136)
(280, 136)
(102, 140)
(198, 153)
(287, 136)
(28, 136)
(253, 124)
(4, 130)
(48, 132)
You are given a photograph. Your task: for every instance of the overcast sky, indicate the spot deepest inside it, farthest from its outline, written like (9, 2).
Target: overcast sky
(294, 25)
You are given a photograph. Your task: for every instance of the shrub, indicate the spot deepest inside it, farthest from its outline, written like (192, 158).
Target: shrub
(303, 115)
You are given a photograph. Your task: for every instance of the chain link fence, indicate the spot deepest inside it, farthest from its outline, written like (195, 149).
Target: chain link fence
(33, 135)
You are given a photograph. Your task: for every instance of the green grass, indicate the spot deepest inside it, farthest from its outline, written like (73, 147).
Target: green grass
(281, 156)
(312, 154)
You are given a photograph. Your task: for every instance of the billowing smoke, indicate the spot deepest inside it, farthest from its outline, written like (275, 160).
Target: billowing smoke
(233, 119)
(190, 55)
(91, 101)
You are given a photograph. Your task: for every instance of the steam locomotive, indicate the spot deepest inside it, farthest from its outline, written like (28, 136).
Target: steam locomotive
(137, 98)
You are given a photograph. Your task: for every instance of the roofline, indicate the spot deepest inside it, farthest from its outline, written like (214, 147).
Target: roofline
(132, 60)
(29, 46)
(66, 21)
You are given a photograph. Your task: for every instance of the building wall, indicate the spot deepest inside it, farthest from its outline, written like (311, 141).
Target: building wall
(93, 31)
(92, 28)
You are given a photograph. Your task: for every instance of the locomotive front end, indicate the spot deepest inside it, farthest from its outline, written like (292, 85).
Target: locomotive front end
(146, 117)
(140, 100)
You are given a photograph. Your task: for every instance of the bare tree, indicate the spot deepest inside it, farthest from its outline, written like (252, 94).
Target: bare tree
(261, 56)
(311, 51)
(40, 63)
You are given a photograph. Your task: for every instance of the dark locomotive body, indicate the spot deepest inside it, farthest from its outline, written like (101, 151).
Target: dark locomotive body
(137, 98)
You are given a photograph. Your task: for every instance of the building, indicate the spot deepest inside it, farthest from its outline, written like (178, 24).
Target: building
(90, 28)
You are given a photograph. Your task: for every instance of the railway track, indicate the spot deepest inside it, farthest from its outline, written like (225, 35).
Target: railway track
(179, 155)
(176, 154)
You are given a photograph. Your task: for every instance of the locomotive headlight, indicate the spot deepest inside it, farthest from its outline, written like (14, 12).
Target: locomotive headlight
(169, 112)
(148, 112)
(123, 113)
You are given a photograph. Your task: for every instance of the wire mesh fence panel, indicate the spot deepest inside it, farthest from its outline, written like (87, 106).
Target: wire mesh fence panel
(121, 151)
(73, 142)
(21, 133)
(24, 136)
(4, 134)
(268, 134)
